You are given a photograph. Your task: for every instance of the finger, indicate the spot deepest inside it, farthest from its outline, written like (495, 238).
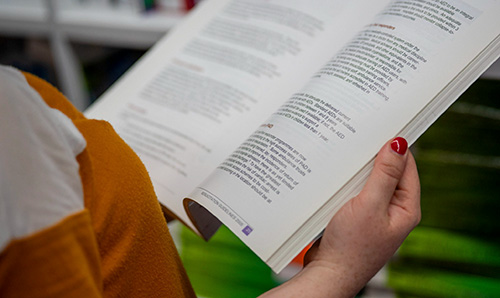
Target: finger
(311, 252)
(407, 196)
(387, 172)
(410, 182)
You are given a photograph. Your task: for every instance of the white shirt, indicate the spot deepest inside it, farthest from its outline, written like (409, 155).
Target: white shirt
(39, 179)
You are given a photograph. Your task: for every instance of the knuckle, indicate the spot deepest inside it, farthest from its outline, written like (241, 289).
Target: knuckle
(391, 170)
(415, 219)
(418, 217)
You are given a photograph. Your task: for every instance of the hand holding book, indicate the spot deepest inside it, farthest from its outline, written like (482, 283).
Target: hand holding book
(365, 232)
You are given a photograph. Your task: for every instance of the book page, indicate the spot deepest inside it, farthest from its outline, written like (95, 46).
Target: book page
(203, 89)
(377, 84)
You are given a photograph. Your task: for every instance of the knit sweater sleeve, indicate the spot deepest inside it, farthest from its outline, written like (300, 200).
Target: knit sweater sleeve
(59, 261)
(137, 257)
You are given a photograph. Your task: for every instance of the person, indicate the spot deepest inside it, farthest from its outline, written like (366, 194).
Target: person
(79, 217)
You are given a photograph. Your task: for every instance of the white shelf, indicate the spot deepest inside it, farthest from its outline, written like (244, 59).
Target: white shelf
(92, 25)
(23, 20)
(62, 23)
(117, 29)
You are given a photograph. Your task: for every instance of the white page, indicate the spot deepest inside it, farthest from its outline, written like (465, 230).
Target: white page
(329, 155)
(181, 131)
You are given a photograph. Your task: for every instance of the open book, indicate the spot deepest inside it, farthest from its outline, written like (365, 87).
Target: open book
(266, 115)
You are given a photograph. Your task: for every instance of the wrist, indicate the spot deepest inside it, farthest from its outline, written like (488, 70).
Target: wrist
(332, 280)
(319, 279)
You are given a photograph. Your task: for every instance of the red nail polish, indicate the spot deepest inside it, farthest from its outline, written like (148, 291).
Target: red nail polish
(399, 145)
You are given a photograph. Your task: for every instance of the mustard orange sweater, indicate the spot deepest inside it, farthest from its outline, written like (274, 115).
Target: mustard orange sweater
(119, 246)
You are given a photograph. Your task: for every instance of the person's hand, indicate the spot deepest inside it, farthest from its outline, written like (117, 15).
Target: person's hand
(368, 229)
(365, 232)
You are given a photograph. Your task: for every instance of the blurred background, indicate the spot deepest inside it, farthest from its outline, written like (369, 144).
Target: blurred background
(83, 46)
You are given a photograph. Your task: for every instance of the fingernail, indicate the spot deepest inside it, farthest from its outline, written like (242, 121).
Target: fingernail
(399, 145)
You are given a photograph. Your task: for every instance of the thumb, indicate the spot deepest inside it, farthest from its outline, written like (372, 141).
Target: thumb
(387, 171)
